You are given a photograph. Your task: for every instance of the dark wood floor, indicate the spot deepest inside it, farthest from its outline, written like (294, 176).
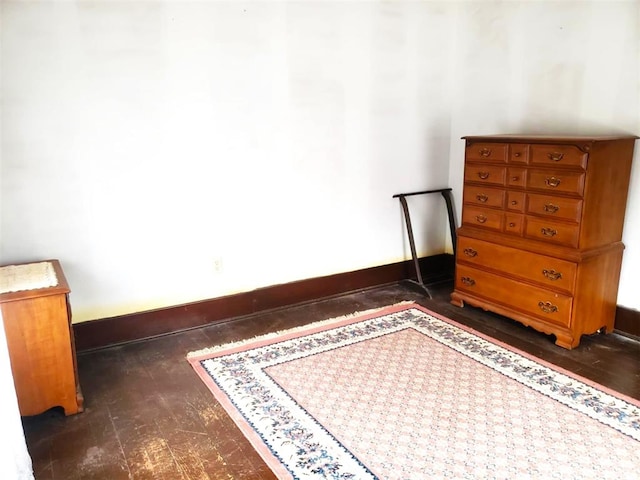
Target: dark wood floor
(148, 416)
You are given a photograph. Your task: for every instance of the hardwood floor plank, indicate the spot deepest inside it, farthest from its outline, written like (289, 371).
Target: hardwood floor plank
(148, 415)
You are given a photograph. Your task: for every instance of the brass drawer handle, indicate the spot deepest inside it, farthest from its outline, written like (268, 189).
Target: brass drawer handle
(485, 152)
(515, 178)
(549, 232)
(512, 224)
(552, 274)
(552, 181)
(517, 154)
(483, 175)
(551, 208)
(514, 202)
(481, 197)
(555, 156)
(481, 218)
(470, 252)
(547, 307)
(468, 281)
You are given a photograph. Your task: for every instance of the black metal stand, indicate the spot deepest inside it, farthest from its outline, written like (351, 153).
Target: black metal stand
(446, 194)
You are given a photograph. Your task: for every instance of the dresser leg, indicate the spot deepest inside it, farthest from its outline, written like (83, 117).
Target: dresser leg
(567, 341)
(457, 300)
(605, 329)
(75, 405)
(80, 400)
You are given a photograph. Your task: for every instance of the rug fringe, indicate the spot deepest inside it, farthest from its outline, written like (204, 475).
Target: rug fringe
(267, 336)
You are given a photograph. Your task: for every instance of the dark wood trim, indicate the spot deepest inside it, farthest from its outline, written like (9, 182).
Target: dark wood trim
(627, 321)
(105, 332)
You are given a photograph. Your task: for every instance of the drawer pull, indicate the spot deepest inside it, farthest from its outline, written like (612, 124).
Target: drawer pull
(549, 232)
(481, 218)
(468, 281)
(470, 252)
(481, 197)
(551, 208)
(512, 224)
(483, 175)
(514, 202)
(515, 178)
(552, 274)
(547, 307)
(552, 181)
(555, 156)
(485, 152)
(517, 154)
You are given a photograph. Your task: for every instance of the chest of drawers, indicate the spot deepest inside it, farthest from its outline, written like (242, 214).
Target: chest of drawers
(540, 239)
(37, 321)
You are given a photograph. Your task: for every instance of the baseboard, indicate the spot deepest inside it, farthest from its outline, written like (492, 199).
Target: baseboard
(627, 321)
(105, 332)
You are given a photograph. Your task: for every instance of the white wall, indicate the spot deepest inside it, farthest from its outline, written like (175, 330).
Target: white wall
(144, 141)
(551, 67)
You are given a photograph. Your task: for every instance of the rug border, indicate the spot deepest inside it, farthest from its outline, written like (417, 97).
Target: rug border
(258, 443)
(294, 332)
(233, 347)
(533, 358)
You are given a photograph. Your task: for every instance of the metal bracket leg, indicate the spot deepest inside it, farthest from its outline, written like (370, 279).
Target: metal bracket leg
(446, 194)
(412, 244)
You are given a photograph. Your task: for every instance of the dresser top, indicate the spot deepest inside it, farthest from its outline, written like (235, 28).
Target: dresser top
(547, 138)
(29, 280)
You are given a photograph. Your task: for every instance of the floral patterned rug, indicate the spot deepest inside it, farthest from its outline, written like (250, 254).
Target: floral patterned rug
(403, 393)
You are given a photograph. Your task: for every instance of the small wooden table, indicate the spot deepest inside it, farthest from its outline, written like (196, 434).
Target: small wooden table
(34, 299)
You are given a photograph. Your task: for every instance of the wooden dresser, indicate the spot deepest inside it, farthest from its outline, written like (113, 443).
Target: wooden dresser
(540, 239)
(37, 321)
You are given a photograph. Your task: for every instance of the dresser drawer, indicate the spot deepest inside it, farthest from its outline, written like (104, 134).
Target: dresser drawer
(557, 207)
(516, 177)
(546, 304)
(490, 197)
(486, 174)
(482, 217)
(487, 152)
(554, 232)
(514, 223)
(518, 153)
(556, 181)
(515, 201)
(566, 155)
(548, 271)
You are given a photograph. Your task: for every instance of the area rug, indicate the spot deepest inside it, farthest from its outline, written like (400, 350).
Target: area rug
(404, 393)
